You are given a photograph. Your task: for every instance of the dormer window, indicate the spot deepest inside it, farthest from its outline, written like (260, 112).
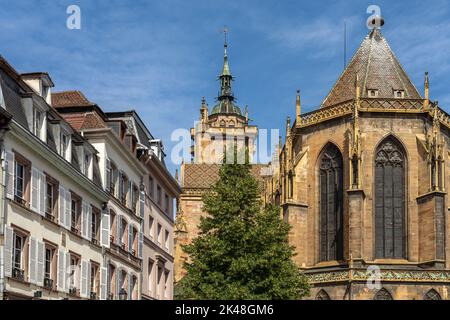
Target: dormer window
(399, 94)
(87, 164)
(38, 120)
(372, 93)
(64, 145)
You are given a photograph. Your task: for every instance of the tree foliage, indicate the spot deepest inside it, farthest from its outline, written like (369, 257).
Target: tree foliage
(242, 249)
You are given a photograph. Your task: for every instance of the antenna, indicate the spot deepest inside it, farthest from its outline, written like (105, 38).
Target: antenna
(345, 44)
(225, 31)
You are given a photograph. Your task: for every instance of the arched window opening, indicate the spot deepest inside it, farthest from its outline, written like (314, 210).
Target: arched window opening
(331, 204)
(322, 295)
(383, 294)
(390, 192)
(432, 295)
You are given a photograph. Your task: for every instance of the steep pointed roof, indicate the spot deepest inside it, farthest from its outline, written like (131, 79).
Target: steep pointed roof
(377, 68)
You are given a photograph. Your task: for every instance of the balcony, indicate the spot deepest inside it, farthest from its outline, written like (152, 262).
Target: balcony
(93, 296)
(73, 291)
(48, 283)
(110, 296)
(18, 274)
(75, 230)
(94, 240)
(111, 238)
(49, 216)
(19, 200)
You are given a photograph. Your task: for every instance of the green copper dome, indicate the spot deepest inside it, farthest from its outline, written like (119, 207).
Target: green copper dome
(226, 106)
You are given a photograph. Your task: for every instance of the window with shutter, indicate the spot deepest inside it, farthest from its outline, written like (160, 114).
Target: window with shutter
(331, 204)
(390, 200)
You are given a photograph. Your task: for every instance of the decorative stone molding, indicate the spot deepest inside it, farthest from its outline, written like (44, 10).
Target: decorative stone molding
(385, 276)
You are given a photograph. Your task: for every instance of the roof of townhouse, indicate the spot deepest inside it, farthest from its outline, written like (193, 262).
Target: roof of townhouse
(78, 110)
(73, 98)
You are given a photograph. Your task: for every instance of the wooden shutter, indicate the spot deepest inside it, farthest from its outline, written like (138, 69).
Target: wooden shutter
(9, 156)
(130, 287)
(89, 280)
(34, 203)
(61, 276)
(141, 204)
(40, 263)
(62, 206)
(68, 209)
(130, 195)
(67, 272)
(108, 175)
(120, 191)
(32, 261)
(130, 237)
(105, 229)
(8, 245)
(118, 229)
(118, 281)
(42, 192)
(84, 219)
(140, 242)
(103, 283)
(88, 222)
(84, 279)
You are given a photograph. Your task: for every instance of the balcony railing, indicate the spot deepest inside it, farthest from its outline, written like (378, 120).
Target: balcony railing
(49, 216)
(18, 274)
(110, 296)
(93, 296)
(48, 283)
(73, 291)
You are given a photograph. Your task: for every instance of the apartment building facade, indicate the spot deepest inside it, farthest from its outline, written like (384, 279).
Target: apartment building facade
(160, 191)
(121, 175)
(75, 197)
(52, 199)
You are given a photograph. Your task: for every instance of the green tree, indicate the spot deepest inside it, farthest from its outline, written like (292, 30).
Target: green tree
(242, 250)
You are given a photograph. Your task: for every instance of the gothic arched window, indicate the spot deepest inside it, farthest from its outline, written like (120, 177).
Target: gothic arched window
(331, 204)
(322, 295)
(383, 294)
(390, 164)
(432, 295)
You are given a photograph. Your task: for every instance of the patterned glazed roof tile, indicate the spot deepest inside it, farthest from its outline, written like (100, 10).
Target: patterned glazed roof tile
(377, 68)
(203, 176)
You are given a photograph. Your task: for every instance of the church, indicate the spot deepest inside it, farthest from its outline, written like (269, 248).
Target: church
(362, 181)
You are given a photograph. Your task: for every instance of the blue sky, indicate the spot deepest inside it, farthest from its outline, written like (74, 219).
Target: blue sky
(161, 57)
